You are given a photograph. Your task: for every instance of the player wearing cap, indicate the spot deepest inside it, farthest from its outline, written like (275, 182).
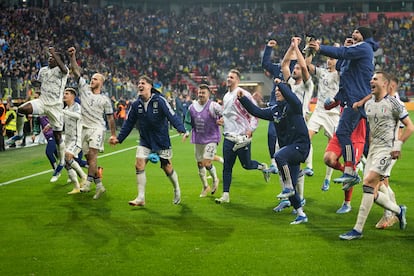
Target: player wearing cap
(356, 71)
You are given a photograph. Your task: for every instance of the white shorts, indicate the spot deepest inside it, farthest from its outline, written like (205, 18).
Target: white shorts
(92, 138)
(53, 112)
(388, 173)
(378, 160)
(205, 151)
(73, 148)
(329, 122)
(143, 152)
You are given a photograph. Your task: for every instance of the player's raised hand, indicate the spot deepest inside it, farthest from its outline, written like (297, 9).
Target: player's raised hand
(71, 51)
(272, 43)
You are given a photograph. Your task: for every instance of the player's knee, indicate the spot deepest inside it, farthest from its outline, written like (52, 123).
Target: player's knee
(280, 159)
(367, 189)
(165, 162)
(328, 160)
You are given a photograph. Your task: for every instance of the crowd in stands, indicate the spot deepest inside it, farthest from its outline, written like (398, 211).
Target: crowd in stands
(125, 43)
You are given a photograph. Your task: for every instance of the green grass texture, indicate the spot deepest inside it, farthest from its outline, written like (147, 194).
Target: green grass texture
(44, 231)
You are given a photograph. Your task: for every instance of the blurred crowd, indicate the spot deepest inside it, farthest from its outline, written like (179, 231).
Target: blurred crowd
(125, 43)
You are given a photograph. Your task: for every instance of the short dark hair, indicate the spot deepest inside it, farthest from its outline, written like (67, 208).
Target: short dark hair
(204, 86)
(71, 90)
(395, 79)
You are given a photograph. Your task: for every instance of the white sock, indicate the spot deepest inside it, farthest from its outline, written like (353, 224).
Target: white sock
(75, 165)
(366, 204)
(174, 180)
(141, 183)
(384, 189)
(202, 173)
(73, 177)
(281, 181)
(328, 173)
(308, 161)
(391, 194)
(300, 212)
(288, 181)
(20, 124)
(300, 186)
(384, 201)
(213, 172)
(61, 153)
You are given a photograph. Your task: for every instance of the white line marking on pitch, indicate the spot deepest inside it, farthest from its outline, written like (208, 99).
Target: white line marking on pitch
(49, 171)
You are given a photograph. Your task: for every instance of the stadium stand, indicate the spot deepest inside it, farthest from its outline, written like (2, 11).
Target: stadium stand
(180, 50)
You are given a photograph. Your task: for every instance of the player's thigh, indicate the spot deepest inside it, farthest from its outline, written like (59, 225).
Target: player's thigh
(72, 148)
(378, 160)
(55, 115)
(92, 138)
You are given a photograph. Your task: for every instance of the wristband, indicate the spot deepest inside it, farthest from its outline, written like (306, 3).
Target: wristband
(397, 145)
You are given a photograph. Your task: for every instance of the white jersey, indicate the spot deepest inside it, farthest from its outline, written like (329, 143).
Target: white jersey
(53, 82)
(328, 86)
(383, 118)
(94, 107)
(401, 125)
(303, 91)
(73, 126)
(237, 121)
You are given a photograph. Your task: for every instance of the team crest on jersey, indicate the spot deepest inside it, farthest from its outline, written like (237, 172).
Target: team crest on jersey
(155, 107)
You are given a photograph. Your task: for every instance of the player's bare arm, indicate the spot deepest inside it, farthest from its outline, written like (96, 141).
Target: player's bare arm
(73, 63)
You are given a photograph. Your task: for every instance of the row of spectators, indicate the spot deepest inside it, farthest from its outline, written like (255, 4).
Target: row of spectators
(125, 43)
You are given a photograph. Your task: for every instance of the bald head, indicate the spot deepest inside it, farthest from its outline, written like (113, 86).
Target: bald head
(97, 82)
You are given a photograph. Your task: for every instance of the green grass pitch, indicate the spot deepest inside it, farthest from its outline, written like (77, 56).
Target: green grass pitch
(44, 231)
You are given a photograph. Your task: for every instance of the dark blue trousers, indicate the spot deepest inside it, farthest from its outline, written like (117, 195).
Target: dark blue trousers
(244, 155)
(288, 161)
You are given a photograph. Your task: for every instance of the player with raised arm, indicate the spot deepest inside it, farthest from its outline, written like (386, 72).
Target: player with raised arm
(95, 106)
(302, 85)
(356, 70)
(293, 140)
(328, 85)
(52, 80)
(274, 70)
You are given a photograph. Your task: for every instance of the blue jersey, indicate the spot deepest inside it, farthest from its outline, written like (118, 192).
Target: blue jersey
(287, 116)
(356, 69)
(152, 122)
